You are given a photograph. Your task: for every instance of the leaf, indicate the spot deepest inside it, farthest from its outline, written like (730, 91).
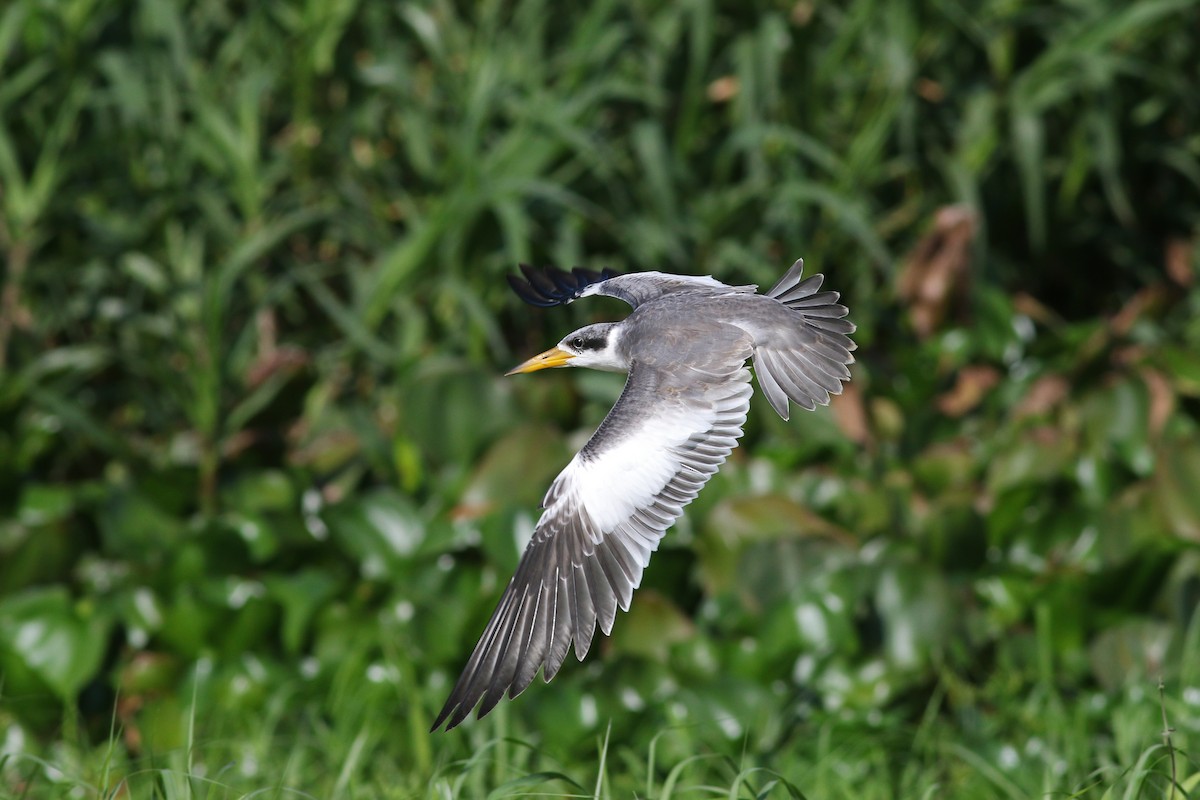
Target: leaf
(62, 642)
(515, 471)
(393, 268)
(1028, 137)
(1130, 652)
(1175, 480)
(441, 397)
(150, 673)
(1183, 367)
(1007, 598)
(259, 535)
(260, 492)
(301, 596)
(945, 465)
(935, 277)
(133, 525)
(737, 522)
(42, 504)
(254, 247)
(1118, 417)
(380, 529)
(188, 623)
(517, 787)
(1037, 457)
(850, 414)
(746, 519)
(11, 23)
(918, 614)
(971, 387)
(653, 625)
(163, 725)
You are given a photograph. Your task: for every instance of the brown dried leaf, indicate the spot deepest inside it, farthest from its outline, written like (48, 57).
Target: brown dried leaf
(1162, 399)
(1181, 261)
(288, 358)
(850, 415)
(930, 90)
(722, 90)
(1144, 300)
(972, 386)
(1033, 308)
(802, 13)
(239, 442)
(271, 358)
(935, 277)
(1046, 393)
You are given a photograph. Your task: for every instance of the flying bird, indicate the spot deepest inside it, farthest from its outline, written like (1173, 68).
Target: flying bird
(685, 348)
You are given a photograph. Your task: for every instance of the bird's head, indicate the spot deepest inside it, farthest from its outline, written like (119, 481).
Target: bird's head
(592, 346)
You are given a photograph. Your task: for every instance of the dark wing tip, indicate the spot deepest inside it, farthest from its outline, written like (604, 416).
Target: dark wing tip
(550, 286)
(441, 717)
(532, 290)
(457, 709)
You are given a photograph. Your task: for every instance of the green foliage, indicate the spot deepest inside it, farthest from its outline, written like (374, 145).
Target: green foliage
(261, 483)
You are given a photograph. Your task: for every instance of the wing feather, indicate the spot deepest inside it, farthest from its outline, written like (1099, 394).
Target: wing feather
(605, 515)
(554, 287)
(564, 611)
(584, 611)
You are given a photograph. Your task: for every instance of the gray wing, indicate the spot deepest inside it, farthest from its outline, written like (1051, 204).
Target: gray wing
(552, 287)
(669, 432)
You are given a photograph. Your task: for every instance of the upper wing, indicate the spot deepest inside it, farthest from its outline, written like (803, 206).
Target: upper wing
(552, 287)
(605, 513)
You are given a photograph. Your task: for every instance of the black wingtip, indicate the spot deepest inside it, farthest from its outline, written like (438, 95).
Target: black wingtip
(555, 287)
(453, 712)
(459, 705)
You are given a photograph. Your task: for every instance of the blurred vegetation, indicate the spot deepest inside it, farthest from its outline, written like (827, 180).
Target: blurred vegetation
(261, 482)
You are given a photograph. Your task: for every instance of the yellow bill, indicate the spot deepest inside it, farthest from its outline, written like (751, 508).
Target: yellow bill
(554, 357)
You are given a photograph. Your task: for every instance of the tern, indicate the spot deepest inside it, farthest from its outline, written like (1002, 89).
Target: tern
(685, 348)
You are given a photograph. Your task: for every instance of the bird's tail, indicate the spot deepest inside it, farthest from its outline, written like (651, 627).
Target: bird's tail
(812, 363)
(803, 295)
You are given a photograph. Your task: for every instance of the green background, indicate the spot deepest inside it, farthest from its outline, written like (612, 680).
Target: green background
(261, 480)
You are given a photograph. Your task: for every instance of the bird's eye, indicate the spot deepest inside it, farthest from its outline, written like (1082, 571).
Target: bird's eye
(577, 343)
